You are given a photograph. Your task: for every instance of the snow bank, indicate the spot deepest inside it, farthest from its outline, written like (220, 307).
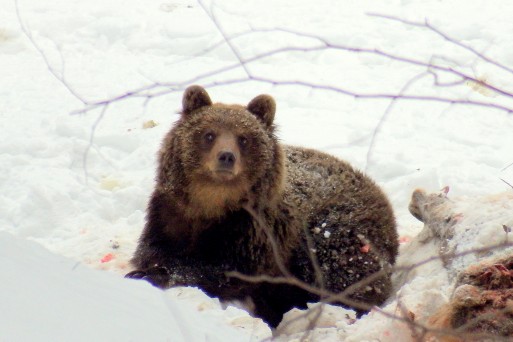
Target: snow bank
(46, 297)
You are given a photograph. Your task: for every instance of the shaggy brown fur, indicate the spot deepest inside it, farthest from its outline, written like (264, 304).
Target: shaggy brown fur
(346, 213)
(227, 191)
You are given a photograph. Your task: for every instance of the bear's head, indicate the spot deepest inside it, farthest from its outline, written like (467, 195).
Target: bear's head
(219, 157)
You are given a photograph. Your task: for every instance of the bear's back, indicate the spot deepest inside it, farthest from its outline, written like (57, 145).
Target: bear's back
(347, 217)
(314, 177)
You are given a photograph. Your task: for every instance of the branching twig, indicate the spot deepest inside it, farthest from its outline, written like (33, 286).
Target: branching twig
(434, 29)
(60, 78)
(344, 296)
(166, 88)
(213, 18)
(385, 115)
(91, 138)
(272, 240)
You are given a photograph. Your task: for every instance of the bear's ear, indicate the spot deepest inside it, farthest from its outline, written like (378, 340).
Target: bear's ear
(264, 107)
(194, 97)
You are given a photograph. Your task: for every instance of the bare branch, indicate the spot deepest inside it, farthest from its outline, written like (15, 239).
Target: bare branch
(61, 77)
(434, 29)
(506, 182)
(385, 115)
(166, 88)
(319, 279)
(91, 138)
(506, 167)
(344, 298)
(378, 95)
(210, 14)
(272, 240)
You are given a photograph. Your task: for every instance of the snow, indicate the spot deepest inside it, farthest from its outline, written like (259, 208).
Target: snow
(77, 183)
(63, 300)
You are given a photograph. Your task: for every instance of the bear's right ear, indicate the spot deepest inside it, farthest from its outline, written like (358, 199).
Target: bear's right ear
(264, 107)
(194, 97)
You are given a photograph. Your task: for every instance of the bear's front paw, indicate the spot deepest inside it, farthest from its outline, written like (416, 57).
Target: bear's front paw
(158, 276)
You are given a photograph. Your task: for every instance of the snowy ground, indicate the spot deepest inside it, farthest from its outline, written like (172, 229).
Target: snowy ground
(77, 184)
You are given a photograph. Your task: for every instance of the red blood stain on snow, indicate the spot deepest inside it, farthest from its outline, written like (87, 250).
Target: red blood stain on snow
(106, 258)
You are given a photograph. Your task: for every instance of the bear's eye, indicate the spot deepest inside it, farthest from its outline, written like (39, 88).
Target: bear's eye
(243, 141)
(209, 137)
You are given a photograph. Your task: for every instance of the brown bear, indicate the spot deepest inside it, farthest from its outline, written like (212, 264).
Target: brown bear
(230, 197)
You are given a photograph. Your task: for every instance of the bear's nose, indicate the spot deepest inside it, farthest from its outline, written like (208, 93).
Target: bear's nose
(226, 159)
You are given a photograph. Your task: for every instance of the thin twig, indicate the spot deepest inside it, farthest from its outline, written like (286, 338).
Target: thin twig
(434, 29)
(343, 297)
(60, 78)
(385, 115)
(506, 167)
(506, 182)
(91, 139)
(271, 239)
(171, 87)
(228, 41)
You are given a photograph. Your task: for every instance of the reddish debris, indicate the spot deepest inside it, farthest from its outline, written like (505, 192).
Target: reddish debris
(106, 258)
(404, 239)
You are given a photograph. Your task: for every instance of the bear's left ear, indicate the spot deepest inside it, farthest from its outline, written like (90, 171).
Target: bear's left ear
(194, 97)
(264, 107)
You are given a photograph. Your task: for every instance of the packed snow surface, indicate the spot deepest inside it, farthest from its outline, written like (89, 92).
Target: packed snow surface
(76, 183)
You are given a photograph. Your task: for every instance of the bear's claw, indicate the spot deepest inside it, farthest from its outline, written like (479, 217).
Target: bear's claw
(158, 276)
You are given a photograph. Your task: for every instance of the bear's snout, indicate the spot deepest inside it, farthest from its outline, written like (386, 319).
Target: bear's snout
(226, 160)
